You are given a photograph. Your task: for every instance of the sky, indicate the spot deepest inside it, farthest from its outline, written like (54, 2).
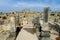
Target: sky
(35, 5)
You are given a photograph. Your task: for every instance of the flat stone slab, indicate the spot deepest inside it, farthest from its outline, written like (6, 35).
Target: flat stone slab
(25, 35)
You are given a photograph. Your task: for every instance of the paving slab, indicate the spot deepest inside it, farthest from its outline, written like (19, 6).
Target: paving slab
(25, 35)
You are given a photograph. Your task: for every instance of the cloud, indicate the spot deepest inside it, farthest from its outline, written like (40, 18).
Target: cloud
(29, 4)
(36, 5)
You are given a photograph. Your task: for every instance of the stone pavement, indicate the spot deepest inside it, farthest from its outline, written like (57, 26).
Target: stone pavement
(25, 35)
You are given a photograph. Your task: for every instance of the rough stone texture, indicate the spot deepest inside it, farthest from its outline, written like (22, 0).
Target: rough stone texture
(4, 35)
(58, 38)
